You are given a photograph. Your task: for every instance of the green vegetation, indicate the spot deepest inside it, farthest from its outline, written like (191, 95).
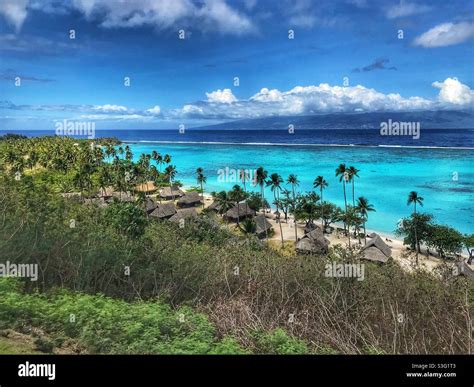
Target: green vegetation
(129, 280)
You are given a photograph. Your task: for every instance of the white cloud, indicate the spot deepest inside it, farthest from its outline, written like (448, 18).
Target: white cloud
(155, 110)
(404, 9)
(110, 108)
(323, 98)
(446, 34)
(221, 96)
(14, 11)
(164, 14)
(454, 92)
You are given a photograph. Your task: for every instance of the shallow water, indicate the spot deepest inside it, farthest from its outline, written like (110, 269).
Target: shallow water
(387, 175)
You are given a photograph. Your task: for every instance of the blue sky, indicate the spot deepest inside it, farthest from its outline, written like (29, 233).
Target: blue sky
(346, 56)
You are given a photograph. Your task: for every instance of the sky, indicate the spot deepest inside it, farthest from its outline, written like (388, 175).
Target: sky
(136, 64)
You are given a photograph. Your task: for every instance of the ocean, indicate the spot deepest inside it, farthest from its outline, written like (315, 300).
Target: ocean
(439, 165)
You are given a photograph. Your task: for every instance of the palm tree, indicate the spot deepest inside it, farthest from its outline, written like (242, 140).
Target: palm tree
(201, 179)
(274, 183)
(293, 180)
(415, 199)
(261, 178)
(170, 172)
(343, 174)
(353, 173)
(364, 207)
(237, 195)
(320, 183)
(243, 174)
(224, 200)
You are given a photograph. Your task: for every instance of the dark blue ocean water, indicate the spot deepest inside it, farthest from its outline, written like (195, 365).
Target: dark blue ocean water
(455, 138)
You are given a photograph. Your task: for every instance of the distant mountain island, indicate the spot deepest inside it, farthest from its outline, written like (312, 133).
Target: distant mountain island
(441, 119)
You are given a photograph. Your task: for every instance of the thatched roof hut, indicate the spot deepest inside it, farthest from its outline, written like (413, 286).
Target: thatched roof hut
(239, 212)
(148, 187)
(215, 206)
(313, 242)
(150, 205)
(163, 211)
(263, 226)
(376, 250)
(106, 192)
(190, 199)
(72, 195)
(169, 193)
(185, 213)
(125, 197)
(466, 270)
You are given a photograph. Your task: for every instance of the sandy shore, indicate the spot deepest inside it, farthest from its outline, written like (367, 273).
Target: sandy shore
(400, 253)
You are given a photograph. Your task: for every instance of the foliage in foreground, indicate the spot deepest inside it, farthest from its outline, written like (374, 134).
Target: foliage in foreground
(104, 325)
(248, 291)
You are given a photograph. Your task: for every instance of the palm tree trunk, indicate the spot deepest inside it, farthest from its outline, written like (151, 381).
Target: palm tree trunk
(416, 235)
(262, 194)
(345, 205)
(279, 220)
(294, 215)
(322, 210)
(353, 193)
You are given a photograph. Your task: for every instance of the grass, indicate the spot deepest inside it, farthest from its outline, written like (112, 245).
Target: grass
(10, 346)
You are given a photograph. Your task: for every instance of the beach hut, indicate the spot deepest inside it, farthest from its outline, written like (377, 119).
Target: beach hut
(466, 270)
(215, 206)
(239, 212)
(106, 192)
(125, 197)
(163, 211)
(148, 188)
(185, 213)
(72, 195)
(313, 242)
(170, 193)
(190, 199)
(263, 226)
(150, 205)
(376, 250)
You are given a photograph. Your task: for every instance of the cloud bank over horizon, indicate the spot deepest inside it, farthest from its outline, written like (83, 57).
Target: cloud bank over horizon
(222, 104)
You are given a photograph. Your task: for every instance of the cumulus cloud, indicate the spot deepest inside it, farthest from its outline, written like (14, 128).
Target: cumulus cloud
(446, 34)
(14, 11)
(454, 92)
(155, 110)
(163, 14)
(323, 98)
(300, 100)
(110, 108)
(221, 96)
(404, 9)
